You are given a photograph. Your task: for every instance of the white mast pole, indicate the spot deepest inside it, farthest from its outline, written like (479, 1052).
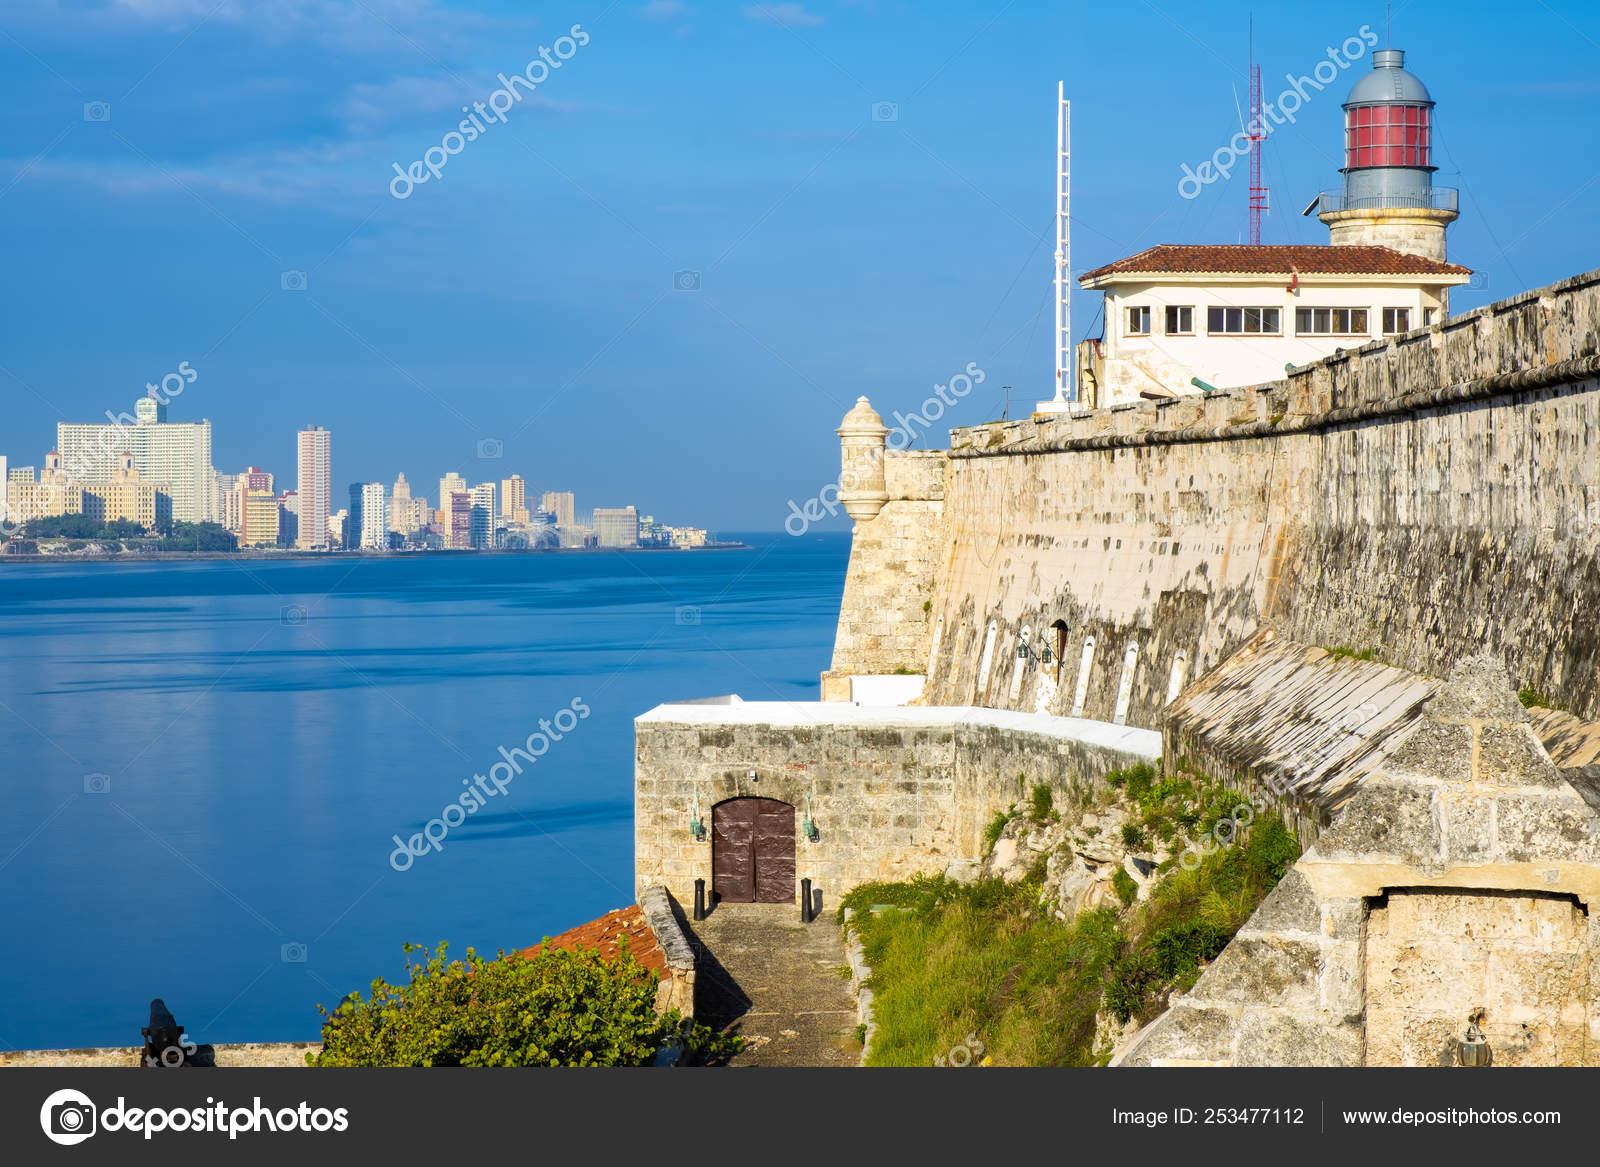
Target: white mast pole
(1064, 357)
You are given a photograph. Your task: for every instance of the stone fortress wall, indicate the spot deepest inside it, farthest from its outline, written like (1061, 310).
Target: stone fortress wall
(1425, 496)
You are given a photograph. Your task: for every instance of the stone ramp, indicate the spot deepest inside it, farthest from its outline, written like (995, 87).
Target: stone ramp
(1313, 723)
(775, 982)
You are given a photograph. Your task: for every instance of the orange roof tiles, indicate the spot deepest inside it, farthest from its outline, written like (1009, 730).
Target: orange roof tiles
(604, 933)
(1305, 258)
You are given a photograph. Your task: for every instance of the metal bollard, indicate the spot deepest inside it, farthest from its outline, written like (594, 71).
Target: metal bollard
(699, 899)
(805, 901)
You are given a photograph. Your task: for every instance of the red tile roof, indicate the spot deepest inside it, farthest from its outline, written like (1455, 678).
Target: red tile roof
(1305, 258)
(604, 933)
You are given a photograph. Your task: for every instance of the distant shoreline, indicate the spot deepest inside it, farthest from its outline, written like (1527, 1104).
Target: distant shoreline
(272, 556)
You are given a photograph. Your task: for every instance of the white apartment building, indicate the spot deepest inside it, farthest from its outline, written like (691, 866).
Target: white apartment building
(175, 456)
(482, 529)
(374, 528)
(315, 487)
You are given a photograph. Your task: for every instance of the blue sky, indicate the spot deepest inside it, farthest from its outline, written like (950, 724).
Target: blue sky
(528, 294)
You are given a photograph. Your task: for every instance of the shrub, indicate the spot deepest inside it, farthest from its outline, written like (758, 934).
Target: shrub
(1133, 837)
(1041, 804)
(996, 828)
(558, 1008)
(1126, 887)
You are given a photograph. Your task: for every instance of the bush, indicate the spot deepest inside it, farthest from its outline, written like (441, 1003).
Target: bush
(558, 1008)
(1041, 804)
(1133, 837)
(996, 828)
(1126, 887)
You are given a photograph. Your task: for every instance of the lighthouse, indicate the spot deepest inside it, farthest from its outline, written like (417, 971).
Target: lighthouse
(1389, 198)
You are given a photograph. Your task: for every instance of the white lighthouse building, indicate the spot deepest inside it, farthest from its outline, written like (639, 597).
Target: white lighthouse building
(1190, 318)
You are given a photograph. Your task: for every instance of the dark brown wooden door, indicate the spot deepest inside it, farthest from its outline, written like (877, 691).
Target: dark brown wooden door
(752, 851)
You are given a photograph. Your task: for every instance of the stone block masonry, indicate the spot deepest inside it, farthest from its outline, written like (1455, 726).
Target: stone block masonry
(894, 792)
(1458, 883)
(1426, 497)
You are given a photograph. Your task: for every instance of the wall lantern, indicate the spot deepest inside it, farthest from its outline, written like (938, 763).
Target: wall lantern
(1025, 651)
(1473, 1049)
(697, 826)
(807, 827)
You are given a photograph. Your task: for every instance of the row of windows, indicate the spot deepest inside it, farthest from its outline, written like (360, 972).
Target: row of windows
(1268, 321)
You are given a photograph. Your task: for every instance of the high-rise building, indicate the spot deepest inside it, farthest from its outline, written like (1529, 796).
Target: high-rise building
(457, 519)
(259, 513)
(229, 506)
(373, 529)
(288, 518)
(513, 499)
(560, 504)
(172, 455)
(616, 526)
(5, 497)
(448, 485)
(482, 529)
(315, 487)
(257, 479)
(338, 523)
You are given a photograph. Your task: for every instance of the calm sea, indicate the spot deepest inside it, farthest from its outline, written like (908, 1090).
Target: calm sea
(204, 764)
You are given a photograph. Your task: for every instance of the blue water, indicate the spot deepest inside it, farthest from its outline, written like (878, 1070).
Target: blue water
(256, 767)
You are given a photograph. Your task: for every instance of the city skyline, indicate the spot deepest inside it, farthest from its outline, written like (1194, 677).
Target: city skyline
(537, 295)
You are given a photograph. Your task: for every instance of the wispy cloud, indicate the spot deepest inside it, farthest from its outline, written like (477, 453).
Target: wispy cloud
(786, 15)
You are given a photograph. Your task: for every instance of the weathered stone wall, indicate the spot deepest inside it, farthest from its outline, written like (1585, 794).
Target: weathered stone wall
(895, 792)
(894, 562)
(1460, 878)
(1425, 496)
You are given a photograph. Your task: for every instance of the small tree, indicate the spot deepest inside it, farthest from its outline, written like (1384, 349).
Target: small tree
(558, 1008)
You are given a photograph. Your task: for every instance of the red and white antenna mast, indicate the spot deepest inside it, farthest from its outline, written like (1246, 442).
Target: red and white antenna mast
(1255, 132)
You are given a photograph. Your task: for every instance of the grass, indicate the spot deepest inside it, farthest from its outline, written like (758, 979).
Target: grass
(1041, 805)
(1349, 653)
(1532, 698)
(996, 828)
(986, 958)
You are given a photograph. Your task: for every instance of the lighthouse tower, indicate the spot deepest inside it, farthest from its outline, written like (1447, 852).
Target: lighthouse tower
(1389, 198)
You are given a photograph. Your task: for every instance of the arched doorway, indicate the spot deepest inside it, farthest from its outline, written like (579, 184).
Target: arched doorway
(752, 851)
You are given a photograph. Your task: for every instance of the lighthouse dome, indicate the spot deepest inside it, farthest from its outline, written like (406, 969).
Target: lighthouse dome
(1388, 82)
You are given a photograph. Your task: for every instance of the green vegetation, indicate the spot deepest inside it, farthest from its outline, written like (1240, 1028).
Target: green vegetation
(81, 527)
(198, 537)
(1344, 650)
(989, 958)
(1041, 805)
(996, 828)
(558, 1008)
(1533, 698)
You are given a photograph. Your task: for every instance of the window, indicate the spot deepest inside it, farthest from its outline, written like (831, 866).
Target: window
(1180, 321)
(1246, 321)
(1387, 135)
(1330, 321)
(1139, 321)
(1396, 320)
(1427, 317)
